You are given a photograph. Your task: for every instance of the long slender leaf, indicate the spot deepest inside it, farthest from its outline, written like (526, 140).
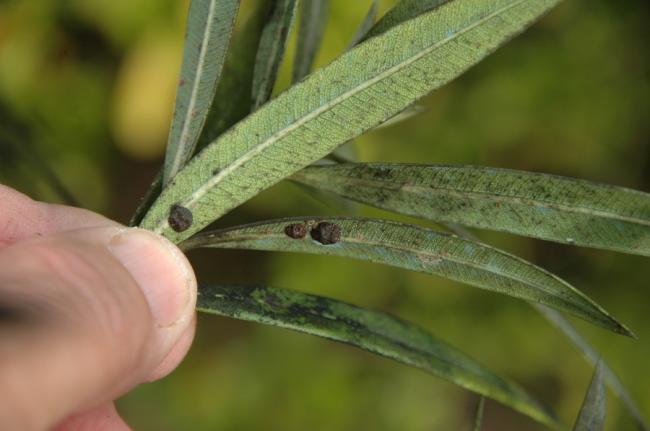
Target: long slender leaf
(369, 330)
(366, 24)
(478, 417)
(363, 88)
(588, 351)
(594, 357)
(209, 27)
(543, 206)
(403, 11)
(414, 248)
(271, 50)
(310, 36)
(233, 100)
(592, 413)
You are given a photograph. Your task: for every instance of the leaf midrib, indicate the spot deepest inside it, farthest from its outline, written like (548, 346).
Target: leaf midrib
(199, 192)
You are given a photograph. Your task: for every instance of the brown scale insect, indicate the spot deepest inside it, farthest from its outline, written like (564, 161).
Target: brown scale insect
(296, 230)
(326, 233)
(180, 218)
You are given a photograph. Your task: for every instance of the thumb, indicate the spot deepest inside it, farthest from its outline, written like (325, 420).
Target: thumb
(85, 316)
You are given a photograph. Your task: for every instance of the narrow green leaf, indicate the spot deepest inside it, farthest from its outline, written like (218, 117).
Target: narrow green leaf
(369, 330)
(592, 413)
(543, 206)
(478, 417)
(358, 91)
(593, 356)
(310, 35)
(403, 11)
(417, 249)
(366, 24)
(588, 351)
(209, 27)
(233, 100)
(147, 200)
(271, 50)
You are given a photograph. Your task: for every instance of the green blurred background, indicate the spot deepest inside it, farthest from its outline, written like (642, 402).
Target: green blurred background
(88, 87)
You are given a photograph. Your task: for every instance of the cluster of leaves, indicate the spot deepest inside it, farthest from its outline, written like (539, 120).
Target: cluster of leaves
(230, 140)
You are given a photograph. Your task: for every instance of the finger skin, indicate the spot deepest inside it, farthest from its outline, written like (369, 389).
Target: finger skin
(76, 328)
(102, 418)
(22, 218)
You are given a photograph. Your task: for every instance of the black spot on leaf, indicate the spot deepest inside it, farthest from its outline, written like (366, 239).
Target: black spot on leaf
(326, 233)
(296, 230)
(180, 218)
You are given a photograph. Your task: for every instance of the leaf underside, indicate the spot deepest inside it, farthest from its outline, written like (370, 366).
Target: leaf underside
(549, 207)
(417, 249)
(210, 25)
(361, 89)
(592, 413)
(369, 330)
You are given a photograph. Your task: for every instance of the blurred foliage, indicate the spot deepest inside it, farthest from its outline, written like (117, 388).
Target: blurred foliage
(88, 87)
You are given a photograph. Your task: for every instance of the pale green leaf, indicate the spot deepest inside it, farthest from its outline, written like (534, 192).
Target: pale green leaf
(417, 249)
(366, 24)
(593, 356)
(272, 49)
(543, 206)
(401, 12)
(209, 27)
(310, 36)
(233, 100)
(592, 413)
(363, 88)
(369, 330)
(478, 417)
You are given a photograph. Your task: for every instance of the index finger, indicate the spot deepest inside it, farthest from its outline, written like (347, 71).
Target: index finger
(22, 217)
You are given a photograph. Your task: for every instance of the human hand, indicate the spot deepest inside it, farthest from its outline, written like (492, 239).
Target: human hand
(88, 310)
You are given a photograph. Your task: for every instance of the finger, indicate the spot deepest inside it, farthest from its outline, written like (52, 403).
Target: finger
(93, 312)
(22, 218)
(102, 418)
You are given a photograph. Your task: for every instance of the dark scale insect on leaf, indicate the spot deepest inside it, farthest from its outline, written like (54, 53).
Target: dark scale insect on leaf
(326, 233)
(296, 230)
(180, 218)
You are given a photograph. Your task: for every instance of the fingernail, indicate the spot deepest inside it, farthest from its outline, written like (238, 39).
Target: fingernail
(161, 271)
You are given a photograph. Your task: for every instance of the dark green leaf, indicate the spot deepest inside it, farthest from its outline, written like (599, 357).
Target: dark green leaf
(310, 36)
(233, 100)
(592, 413)
(366, 24)
(417, 249)
(209, 27)
(369, 330)
(271, 50)
(543, 206)
(403, 11)
(363, 88)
